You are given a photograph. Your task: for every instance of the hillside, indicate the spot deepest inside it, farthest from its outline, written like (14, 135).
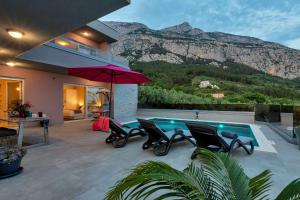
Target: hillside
(183, 44)
(181, 83)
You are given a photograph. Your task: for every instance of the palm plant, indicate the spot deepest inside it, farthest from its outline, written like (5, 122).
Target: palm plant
(218, 177)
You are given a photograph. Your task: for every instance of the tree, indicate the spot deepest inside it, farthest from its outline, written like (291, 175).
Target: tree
(257, 97)
(219, 177)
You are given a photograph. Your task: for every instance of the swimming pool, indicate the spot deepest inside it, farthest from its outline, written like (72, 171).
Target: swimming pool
(171, 124)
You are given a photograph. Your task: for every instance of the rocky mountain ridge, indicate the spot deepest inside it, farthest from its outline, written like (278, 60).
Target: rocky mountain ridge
(184, 44)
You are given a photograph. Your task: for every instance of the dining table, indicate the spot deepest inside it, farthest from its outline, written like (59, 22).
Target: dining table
(21, 125)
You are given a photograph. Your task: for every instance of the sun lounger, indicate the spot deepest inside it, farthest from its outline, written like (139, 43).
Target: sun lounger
(161, 140)
(120, 134)
(207, 137)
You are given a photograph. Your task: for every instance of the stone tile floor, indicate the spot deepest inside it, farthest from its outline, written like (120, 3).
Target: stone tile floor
(79, 165)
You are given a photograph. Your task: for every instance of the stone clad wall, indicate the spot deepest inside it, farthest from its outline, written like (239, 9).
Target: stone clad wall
(125, 101)
(125, 97)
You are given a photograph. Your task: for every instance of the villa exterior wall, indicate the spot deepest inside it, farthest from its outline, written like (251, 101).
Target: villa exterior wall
(43, 85)
(44, 90)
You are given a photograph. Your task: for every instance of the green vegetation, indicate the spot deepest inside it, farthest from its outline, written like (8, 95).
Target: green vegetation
(218, 177)
(157, 95)
(175, 84)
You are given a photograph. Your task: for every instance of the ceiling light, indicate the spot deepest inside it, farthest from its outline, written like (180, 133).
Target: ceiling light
(15, 34)
(62, 42)
(86, 33)
(11, 64)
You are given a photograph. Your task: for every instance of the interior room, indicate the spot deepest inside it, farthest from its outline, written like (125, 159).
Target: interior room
(74, 102)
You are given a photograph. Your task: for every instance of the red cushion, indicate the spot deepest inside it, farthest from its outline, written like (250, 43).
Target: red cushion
(101, 124)
(97, 125)
(105, 125)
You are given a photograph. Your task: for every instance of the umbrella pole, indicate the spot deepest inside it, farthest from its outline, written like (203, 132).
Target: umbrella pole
(110, 98)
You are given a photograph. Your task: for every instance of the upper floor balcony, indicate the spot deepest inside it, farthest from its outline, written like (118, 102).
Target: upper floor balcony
(102, 54)
(86, 46)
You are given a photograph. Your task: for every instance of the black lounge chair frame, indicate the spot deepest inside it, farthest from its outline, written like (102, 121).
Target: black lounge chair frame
(207, 137)
(119, 135)
(157, 138)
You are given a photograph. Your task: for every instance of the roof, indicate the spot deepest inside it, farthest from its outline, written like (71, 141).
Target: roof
(43, 20)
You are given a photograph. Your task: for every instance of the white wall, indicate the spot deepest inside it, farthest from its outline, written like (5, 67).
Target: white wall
(125, 101)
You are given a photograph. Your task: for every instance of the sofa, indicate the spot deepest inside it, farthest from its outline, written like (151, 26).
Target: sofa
(72, 114)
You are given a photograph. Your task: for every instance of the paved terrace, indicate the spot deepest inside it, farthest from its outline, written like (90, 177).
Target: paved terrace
(79, 165)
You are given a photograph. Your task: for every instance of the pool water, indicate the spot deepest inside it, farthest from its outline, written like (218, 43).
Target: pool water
(171, 124)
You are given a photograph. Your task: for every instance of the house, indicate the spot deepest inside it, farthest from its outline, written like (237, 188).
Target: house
(36, 53)
(207, 84)
(218, 95)
(204, 84)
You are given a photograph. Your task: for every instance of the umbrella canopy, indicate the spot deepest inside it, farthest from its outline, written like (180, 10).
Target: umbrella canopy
(109, 74)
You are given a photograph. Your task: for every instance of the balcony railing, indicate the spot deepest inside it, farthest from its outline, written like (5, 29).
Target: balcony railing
(83, 49)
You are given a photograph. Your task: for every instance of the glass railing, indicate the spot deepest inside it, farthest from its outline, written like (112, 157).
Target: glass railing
(296, 122)
(268, 113)
(88, 51)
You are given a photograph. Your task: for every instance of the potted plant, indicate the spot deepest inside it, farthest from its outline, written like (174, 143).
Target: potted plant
(10, 160)
(21, 108)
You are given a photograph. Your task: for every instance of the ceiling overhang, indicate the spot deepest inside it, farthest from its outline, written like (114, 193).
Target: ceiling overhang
(43, 20)
(98, 32)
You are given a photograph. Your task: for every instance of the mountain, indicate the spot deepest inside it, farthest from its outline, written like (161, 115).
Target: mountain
(183, 44)
(184, 28)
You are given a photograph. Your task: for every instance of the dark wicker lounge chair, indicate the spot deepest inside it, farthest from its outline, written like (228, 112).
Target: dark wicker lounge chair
(120, 134)
(8, 137)
(207, 137)
(161, 140)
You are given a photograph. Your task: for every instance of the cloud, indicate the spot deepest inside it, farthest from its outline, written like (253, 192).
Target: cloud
(268, 23)
(295, 43)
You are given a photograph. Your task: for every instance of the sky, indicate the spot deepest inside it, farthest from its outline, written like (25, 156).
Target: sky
(270, 20)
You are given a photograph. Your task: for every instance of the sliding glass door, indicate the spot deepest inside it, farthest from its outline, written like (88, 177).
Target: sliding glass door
(11, 91)
(82, 102)
(97, 100)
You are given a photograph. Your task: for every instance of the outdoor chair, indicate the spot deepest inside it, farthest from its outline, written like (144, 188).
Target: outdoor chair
(121, 133)
(207, 137)
(161, 140)
(8, 137)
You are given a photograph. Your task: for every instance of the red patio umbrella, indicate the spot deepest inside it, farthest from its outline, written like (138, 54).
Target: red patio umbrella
(109, 74)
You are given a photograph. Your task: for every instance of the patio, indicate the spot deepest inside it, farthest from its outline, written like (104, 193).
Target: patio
(79, 165)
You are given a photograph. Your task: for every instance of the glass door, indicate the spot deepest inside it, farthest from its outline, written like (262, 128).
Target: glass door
(11, 92)
(97, 101)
